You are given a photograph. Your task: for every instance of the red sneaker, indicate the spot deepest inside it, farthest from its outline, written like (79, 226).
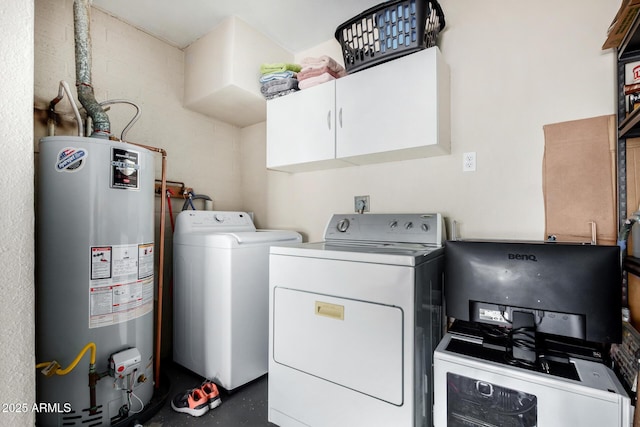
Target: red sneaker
(210, 390)
(193, 402)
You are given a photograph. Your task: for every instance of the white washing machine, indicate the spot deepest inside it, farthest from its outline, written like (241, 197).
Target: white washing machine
(354, 321)
(221, 295)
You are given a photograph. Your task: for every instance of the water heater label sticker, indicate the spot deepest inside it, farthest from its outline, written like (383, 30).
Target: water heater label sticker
(145, 264)
(125, 262)
(101, 301)
(121, 285)
(110, 305)
(125, 169)
(71, 159)
(100, 262)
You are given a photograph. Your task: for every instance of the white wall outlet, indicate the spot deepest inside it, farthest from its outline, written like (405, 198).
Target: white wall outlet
(361, 204)
(469, 161)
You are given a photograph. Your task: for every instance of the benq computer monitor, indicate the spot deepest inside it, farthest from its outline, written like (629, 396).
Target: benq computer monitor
(572, 290)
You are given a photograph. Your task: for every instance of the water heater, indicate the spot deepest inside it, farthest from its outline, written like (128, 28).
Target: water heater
(95, 278)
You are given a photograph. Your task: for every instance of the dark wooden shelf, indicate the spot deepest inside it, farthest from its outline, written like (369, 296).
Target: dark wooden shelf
(630, 45)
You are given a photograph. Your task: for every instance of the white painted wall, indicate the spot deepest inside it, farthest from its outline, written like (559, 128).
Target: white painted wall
(515, 66)
(17, 373)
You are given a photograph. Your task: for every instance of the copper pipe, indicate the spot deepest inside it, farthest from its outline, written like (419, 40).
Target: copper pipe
(161, 257)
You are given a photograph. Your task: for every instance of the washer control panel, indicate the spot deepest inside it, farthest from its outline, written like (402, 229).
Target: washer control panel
(218, 221)
(410, 228)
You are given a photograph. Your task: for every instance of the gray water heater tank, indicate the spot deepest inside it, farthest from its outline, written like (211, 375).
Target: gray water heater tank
(95, 277)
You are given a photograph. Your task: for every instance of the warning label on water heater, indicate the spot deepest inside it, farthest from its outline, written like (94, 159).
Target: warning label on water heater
(121, 285)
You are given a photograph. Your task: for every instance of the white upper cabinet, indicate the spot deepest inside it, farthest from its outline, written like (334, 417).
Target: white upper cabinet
(398, 110)
(395, 111)
(301, 131)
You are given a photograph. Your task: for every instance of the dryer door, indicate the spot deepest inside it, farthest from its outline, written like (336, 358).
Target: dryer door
(354, 344)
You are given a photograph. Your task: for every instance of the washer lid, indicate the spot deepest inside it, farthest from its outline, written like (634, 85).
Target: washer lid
(202, 222)
(236, 239)
(263, 236)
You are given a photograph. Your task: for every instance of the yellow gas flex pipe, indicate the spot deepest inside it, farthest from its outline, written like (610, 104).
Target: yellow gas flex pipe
(73, 364)
(53, 367)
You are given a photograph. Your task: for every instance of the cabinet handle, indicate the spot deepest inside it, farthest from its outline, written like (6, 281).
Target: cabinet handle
(329, 119)
(340, 117)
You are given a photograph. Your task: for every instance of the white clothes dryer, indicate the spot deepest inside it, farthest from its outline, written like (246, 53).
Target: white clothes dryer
(354, 321)
(221, 295)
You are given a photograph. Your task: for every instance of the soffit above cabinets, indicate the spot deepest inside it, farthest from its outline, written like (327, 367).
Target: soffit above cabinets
(296, 25)
(222, 69)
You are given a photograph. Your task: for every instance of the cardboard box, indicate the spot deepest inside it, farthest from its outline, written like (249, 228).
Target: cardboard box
(633, 176)
(579, 180)
(621, 23)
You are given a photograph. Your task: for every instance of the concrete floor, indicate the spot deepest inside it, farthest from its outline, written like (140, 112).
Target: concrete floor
(246, 406)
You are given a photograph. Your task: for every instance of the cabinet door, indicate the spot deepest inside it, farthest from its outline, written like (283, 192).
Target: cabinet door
(394, 111)
(301, 127)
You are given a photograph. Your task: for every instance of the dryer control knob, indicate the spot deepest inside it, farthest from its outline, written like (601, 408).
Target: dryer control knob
(408, 225)
(343, 225)
(218, 218)
(425, 227)
(393, 224)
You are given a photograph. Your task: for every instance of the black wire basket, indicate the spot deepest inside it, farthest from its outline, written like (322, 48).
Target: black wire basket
(389, 30)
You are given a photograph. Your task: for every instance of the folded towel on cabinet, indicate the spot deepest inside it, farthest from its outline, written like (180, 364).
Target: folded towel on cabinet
(282, 78)
(275, 76)
(313, 81)
(279, 67)
(279, 85)
(311, 63)
(306, 73)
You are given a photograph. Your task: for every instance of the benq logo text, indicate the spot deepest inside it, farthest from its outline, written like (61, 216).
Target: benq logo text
(523, 257)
